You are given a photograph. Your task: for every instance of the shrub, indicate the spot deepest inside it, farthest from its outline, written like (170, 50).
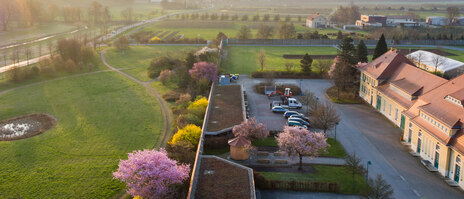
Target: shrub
(171, 96)
(190, 133)
(165, 76)
(184, 99)
(160, 64)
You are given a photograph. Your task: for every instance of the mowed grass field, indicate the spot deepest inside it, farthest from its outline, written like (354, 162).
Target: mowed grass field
(244, 59)
(101, 117)
(137, 59)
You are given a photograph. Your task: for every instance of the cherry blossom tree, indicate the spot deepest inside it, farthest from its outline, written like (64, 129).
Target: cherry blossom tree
(149, 173)
(251, 129)
(202, 70)
(296, 141)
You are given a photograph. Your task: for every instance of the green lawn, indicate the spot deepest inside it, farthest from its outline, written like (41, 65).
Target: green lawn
(324, 173)
(244, 59)
(335, 149)
(6, 84)
(101, 117)
(269, 141)
(137, 59)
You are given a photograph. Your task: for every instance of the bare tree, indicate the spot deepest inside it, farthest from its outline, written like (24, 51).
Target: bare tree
(5, 56)
(288, 66)
(323, 65)
(419, 57)
(50, 47)
(453, 13)
(28, 53)
(379, 188)
(40, 48)
(353, 164)
(438, 61)
(310, 101)
(262, 59)
(6, 12)
(325, 117)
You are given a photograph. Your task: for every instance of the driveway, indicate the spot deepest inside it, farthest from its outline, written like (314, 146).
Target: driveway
(373, 138)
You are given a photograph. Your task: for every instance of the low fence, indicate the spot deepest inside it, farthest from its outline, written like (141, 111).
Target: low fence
(332, 42)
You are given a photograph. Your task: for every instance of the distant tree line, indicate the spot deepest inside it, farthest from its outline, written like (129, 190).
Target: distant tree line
(236, 17)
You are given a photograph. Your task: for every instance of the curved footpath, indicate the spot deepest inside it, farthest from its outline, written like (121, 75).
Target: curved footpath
(164, 108)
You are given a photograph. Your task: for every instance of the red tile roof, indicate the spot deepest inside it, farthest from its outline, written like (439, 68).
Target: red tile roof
(385, 65)
(312, 17)
(239, 141)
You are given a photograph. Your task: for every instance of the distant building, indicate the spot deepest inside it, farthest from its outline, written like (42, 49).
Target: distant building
(437, 21)
(372, 20)
(404, 20)
(316, 21)
(425, 60)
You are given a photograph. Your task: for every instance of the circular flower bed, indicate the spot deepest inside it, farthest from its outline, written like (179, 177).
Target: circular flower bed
(25, 126)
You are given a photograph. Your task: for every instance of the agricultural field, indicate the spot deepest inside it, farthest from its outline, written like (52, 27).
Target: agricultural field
(100, 118)
(244, 59)
(137, 59)
(208, 30)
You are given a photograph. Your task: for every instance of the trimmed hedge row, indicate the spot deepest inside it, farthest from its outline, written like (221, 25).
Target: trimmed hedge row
(262, 183)
(284, 74)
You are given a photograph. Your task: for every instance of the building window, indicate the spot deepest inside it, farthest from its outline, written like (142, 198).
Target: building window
(437, 147)
(384, 104)
(420, 133)
(410, 124)
(390, 110)
(396, 114)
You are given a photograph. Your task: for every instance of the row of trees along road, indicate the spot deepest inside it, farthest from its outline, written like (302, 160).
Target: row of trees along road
(283, 31)
(28, 13)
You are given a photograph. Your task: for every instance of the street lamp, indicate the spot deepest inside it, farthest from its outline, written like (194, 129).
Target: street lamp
(335, 137)
(367, 169)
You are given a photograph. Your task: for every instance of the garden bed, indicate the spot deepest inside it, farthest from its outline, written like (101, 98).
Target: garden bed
(25, 126)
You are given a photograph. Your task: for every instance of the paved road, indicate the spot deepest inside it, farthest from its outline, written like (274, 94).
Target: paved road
(164, 107)
(372, 137)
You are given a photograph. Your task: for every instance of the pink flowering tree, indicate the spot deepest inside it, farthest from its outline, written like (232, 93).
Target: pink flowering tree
(149, 173)
(251, 129)
(332, 68)
(205, 70)
(300, 142)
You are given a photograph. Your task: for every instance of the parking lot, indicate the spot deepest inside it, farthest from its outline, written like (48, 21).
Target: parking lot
(260, 106)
